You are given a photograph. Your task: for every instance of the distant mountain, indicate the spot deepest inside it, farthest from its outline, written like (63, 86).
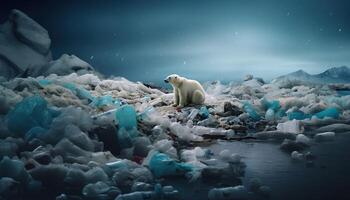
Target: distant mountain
(332, 75)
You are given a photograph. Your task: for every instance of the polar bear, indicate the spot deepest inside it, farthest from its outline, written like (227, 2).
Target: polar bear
(186, 91)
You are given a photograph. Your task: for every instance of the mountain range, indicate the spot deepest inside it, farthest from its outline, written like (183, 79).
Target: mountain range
(331, 75)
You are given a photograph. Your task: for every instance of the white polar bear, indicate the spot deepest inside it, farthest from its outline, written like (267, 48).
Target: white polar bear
(186, 91)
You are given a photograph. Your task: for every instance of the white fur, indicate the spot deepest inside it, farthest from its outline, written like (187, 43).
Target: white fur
(186, 91)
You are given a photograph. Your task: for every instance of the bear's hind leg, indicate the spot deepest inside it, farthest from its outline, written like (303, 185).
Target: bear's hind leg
(198, 97)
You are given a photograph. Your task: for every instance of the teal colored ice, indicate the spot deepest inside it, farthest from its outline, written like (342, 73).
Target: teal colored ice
(126, 117)
(251, 111)
(31, 112)
(298, 115)
(329, 112)
(127, 123)
(274, 105)
(79, 91)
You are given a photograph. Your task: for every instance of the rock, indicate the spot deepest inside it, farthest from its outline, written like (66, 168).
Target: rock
(99, 190)
(30, 32)
(141, 186)
(145, 195)
(237, 192)
(334, 128)
(301, 138)
(264, 191)
(290, 146)
(231, 109)
(13, 169)
(297, 156)
(8, 187)
(23, 43)
(248, 77)
(253, 83)
(326, 136)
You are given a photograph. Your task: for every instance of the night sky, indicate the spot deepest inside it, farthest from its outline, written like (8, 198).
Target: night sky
(206, 40)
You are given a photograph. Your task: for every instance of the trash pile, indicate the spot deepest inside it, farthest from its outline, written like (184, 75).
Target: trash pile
(77, 136)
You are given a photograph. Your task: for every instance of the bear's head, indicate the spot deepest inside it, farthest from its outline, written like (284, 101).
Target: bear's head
(174, 80)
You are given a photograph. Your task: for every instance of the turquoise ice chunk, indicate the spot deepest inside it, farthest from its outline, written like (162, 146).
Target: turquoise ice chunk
(126, 117)
(44, 82)
(29, 113)
(117, 102)
(70, 86)
(298, 115)
(79, 91)
(274, 105)
(102, 101)
(14, 169)
(280, 113)
(84, 94)
(162, 165)
(329, 112)
(251, 111)
(204, 112)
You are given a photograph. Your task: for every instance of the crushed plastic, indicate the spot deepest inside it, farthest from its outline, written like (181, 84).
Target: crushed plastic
(203, 112)
(194, 112)
(100, 190)
(293, 126)
(166, 146)
(161, 165)
(14, 169)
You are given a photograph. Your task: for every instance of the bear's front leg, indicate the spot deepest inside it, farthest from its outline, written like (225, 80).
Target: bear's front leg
(176, 97)
(183, 99)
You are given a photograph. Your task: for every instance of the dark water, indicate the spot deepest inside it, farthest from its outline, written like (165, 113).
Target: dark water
(343, 92)
(328, 178)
